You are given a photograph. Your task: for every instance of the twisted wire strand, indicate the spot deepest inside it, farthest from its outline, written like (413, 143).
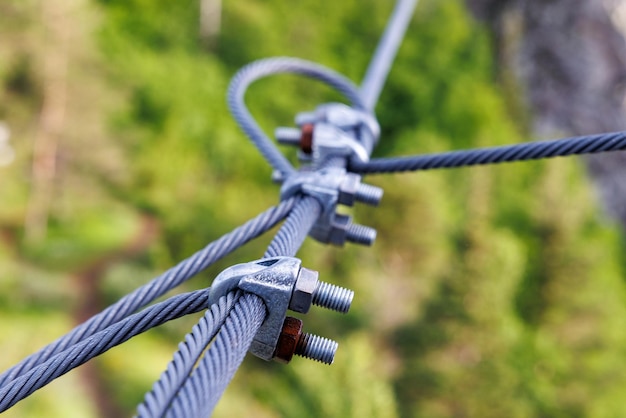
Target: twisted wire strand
(108, 328)
(189, 394)
(201, 392)
(196, 393)
(263, 68)
(156, 287)
(98, 343)
(340, 162)
(293, 232)
(590, 144)
(386, 50)
(157, 401)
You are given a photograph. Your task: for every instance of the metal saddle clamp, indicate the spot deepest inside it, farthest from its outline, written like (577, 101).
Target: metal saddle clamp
(282, 283)
(332, 186)
(332, 130)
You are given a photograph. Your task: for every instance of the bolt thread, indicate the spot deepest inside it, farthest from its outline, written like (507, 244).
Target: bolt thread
(333, 297)
(361, 234)
(288, 136)
(368, 194)
(317, 348)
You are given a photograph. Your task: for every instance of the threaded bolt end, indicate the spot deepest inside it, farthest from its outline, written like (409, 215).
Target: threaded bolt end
(333, 297)
(361, 234)
(368, 194)
(317, 348)
(288, 136)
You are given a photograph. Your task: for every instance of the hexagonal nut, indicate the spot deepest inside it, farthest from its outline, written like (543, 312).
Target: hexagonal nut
(288, 340)
(348, 189)
(302, 295)
(339, 228)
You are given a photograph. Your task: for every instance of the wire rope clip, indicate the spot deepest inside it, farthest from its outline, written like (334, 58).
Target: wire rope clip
(332, 186)
(282, 283)
(332, 130)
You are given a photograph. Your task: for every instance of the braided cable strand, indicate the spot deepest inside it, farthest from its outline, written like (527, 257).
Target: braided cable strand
(590, 144)
(292, 234)
(380, 64)
(196, 394)
(61, 363)
(157, 401)
(200, 394)
(271, 66)
(157, 287)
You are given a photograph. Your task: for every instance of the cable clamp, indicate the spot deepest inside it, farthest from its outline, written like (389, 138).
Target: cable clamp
(332, 130)
(283, 284)
(332, 186)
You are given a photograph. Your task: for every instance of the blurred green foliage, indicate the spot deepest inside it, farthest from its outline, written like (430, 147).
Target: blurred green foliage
(492, 291)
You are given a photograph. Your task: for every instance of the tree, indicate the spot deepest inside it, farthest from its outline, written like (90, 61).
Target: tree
(565, 60)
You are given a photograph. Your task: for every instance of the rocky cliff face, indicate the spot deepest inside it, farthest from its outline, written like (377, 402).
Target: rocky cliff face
(567, 60)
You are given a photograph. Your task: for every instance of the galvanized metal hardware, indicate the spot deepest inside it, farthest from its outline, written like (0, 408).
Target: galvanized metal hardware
(341, 229)
(332, 186)
(332, 130)
(283, 284)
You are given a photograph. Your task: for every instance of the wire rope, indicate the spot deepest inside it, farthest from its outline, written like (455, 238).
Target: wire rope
(292, 234)
(177, 388)
(158, 400)
(157, 287)
(38, 376)
(386, 51)
(233, 322)
(202, 391)
(590, 144)
(271, 66)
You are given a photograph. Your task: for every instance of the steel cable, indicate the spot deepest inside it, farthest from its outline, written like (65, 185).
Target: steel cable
(158, 400)
(614, 141)
(61, 363)
(195, 393)
(201, 392)
(271, 66)
(292, 234)
(157, 287)
(386, 51)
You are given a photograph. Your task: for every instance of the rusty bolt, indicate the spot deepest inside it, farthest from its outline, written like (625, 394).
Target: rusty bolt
(293, 341)
(302, 138)
(288, 340)
(306, 141)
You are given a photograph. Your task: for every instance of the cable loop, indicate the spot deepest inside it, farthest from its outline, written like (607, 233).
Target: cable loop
(271, 66)
(343, 134)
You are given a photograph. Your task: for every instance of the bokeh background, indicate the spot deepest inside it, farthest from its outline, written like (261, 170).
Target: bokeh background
(490, 292)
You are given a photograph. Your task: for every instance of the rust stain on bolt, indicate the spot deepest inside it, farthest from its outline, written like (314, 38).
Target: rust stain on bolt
(306, 141)
(288, 340)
